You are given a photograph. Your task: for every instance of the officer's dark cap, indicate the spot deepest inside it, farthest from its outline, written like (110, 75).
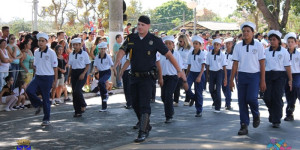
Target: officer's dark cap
(144, 19)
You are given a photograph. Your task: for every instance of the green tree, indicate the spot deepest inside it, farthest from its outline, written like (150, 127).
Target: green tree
(18, 25)
(133, 11)
(169, 11)
(208, 15)
(57, 9)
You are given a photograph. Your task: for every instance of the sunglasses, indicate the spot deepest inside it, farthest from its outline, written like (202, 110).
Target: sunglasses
(180, 41)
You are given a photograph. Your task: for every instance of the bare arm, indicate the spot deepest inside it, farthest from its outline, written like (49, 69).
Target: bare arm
(21, 63)
(160, 78)
(225, 76)
(262, 75)
(120, 55)
(233, 72)
(289, 74)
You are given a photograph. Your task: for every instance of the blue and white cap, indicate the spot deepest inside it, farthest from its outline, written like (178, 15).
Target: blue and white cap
(76, 40)
(250, 24)
(218, 40)
(42, 35)
(276, 32)
(198, 39)
(102, 45)
(289, 35)
(168, 38)
(228, 40)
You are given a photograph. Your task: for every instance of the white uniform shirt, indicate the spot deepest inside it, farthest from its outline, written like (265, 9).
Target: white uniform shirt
(184, 53)
(123, 61)
(216, 61)
(166, 65)
(45, 61)
(4, 67)
(248, 56)
(104, 63)
(79, 60)
(295, 61)
(229, 60)
(277, 60)
(196, 60)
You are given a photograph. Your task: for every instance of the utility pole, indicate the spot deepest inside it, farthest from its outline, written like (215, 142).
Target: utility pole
(35, 13)
(195, 21)
(183, 18)
(115, 25)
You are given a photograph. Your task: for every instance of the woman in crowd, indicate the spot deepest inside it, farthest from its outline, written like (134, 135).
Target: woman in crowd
(5, 60)
(26, 62)
(17, 55)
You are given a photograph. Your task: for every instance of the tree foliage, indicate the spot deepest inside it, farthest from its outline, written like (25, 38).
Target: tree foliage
(169, 11)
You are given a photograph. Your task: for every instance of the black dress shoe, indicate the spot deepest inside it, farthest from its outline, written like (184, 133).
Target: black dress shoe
(77, 115)
(137, 126)
(289, 118)
(228, 108)
(276, 125)
(168, 120)
(192, 102)
(256, 121)
(152, 100)
(127, 107)
(141, 137)
(38, 110)
(198, 115)
(243, 130)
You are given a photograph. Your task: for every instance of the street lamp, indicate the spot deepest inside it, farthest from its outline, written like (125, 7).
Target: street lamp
(193, 5)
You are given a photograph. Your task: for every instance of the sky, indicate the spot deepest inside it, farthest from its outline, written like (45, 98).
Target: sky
(23, 8)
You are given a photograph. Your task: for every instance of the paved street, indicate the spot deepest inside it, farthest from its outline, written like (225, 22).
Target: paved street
(113, 129)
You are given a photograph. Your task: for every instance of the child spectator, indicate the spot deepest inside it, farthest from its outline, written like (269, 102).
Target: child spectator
(19, 92)
(7, 95)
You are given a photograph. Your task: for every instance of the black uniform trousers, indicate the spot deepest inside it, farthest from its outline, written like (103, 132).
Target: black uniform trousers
(141, 93)
(291, 96)
(126, 87)
(167, 91)
(78, 99)
(177, 90)
(103, 77)
(215, 83)
(275, 81)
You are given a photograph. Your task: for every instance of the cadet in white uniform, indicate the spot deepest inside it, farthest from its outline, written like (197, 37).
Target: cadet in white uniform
(184, 48)
(277, 65)
(249, 61)
(216, 63)
(45, 63)
(291, 96)
(226, 90)
(79, 65)
(103, 63)
(170, 78)
(195, 73)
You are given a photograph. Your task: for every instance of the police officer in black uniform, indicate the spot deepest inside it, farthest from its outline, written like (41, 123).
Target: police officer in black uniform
(142, 48)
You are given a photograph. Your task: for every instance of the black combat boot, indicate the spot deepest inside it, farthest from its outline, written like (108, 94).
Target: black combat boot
(243, 130)
(144, 128)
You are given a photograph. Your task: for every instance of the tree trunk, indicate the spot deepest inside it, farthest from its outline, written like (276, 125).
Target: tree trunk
(270, 18)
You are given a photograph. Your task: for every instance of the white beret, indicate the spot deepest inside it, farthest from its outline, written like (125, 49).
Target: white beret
(228, 40)
(168, 38)
(291, 34)
(250, 24)
(197, 38)
(283, 41)
(216, 41)
(276, 32)
(76, 40)
(102, 45)
(42, 35)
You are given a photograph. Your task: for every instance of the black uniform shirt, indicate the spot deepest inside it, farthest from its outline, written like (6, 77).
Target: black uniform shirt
(142, 52)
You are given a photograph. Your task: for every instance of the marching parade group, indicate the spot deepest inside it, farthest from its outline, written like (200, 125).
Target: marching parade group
(252, 66)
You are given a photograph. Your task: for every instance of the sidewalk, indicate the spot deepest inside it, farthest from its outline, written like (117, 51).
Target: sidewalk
(113, 129)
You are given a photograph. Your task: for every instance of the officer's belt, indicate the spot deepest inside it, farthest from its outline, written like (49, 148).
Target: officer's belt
(142, 74)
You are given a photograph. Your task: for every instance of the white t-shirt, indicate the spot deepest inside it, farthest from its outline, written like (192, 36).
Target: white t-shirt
(196, 60)
(103, 64)
(216, 62)
(277, 60)
(184, 53)
(167, 66)
(295, 61)
(248, 56)
(45, 61)
(79, 60)
(17, 92)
